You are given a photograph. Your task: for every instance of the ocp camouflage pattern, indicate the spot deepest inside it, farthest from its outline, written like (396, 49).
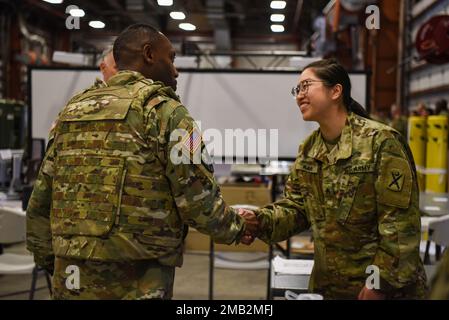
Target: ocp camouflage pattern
(361, 202)
(107, 190)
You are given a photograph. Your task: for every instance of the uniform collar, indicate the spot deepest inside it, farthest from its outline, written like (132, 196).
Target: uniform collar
(169, 92)
(343, 149)
(99, 83)
(124, 77)
(127, 76)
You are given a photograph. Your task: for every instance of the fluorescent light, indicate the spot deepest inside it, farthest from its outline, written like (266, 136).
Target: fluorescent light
(277, 28)
(78, 59)
(186, 62)
(440, 199)
(277, 17)
(165, 3)
(187, 26)
(77, 13)
(300, 63)
(431, 208)
(96, 24)
(54, 1)
(177, 15)
(278, 4)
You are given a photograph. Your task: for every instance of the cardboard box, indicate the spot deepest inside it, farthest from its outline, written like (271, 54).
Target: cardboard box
(253, 194)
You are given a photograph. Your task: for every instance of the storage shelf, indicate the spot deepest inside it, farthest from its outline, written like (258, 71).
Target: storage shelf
(439, 89)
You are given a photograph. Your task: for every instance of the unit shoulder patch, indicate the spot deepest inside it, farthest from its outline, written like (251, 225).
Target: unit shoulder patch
(395, 181)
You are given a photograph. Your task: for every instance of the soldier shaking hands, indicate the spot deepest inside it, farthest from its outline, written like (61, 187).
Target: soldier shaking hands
(354, 184)
(112, 200)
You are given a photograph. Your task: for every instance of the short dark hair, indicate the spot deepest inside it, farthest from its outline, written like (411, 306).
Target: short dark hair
(133, 36)
(331, 72)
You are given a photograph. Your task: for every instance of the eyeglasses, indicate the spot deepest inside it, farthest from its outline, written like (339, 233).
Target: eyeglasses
(303, 87)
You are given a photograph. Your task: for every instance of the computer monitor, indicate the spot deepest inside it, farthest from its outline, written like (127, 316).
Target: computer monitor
(37, 149)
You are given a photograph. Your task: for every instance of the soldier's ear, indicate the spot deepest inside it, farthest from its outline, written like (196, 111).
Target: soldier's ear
(102, 66)
(148, 53)
(337, 91)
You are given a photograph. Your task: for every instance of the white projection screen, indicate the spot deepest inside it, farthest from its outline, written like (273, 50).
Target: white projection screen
(254, 100)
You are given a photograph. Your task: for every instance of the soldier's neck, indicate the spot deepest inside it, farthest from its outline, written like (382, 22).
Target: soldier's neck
(331, 127)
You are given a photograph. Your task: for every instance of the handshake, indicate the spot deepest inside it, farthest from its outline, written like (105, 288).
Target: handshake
(251, 226)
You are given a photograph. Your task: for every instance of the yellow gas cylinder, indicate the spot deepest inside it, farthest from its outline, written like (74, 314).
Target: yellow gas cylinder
(417, 140)
(436, 153)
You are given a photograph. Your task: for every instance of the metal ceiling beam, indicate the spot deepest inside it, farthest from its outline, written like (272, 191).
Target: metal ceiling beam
(47, 8)
(297, 16)
(250, 39)
(216, 16)
(267, 53)
(133, 16)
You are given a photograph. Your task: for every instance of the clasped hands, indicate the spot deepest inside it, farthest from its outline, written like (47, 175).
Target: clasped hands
(251, 226)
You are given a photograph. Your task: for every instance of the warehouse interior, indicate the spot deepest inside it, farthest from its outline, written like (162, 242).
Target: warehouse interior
(237, 62)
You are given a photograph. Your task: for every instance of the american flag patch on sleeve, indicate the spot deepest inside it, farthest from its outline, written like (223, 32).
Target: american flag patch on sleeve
(192, 141)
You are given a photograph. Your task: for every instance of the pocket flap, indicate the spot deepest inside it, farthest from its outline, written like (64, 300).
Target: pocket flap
(87, 193)
(91, 110)
(347, 199)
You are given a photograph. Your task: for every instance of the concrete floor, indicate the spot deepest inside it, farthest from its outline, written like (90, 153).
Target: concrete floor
(191, 281)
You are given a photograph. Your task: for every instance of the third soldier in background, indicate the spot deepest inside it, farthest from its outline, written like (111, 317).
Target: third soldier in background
(399, 122)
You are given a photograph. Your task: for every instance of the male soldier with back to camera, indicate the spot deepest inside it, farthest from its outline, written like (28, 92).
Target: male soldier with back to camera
(109, 202)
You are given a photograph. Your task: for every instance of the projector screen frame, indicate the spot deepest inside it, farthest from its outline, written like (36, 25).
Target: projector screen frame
(180, 70)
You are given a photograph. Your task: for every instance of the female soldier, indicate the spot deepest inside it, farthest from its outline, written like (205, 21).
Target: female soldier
(354, 184)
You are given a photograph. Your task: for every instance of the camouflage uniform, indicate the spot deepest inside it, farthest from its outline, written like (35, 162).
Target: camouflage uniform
(361, 202)
(440, 283)
(97, 85)
(378, 118)
(109, 200)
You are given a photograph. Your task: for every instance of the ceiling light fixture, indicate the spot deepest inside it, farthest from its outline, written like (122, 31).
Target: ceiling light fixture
(277, 28)
(187, 26)
(77, 13)
(277, 17)
(165, 3)
(96, 24)
(177, 15)
(278, 4)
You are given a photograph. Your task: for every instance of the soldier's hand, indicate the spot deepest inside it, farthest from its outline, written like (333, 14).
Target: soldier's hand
(370, 294)
(247, 239)
(251, 226)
